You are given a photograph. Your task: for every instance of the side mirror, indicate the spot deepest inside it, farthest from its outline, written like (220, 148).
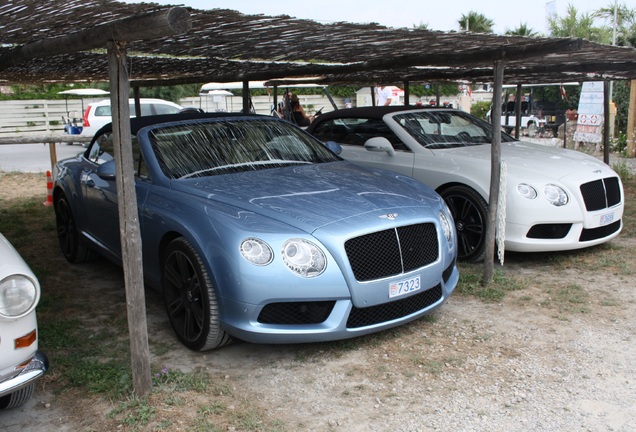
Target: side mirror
(334, 147)
(379, 144)
(106, 171)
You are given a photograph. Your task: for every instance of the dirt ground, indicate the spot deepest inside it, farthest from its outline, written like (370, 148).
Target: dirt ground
(540, 359)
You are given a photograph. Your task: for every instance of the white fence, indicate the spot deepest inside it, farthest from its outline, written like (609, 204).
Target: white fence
(47, 116)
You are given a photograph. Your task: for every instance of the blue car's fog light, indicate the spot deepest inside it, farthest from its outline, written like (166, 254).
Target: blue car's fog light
(256, 251)
(303, 257)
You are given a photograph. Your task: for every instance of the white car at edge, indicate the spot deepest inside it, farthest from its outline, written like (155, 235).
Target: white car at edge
(21, 363)
(98, 114)
(556, 199)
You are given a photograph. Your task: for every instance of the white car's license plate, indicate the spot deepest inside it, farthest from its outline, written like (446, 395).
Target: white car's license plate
(607, 219)
(405, 286)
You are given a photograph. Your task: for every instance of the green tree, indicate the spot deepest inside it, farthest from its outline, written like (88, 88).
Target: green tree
(578, 25)
(421, 26)
(475, 22)
(625, 23)
(522, 30)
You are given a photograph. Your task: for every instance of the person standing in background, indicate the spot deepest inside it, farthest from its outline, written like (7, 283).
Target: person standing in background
(383, 95)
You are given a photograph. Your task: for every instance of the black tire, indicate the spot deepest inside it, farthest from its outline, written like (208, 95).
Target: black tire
(17, 398)
(73, 247)
(470, 212)
(190, 298)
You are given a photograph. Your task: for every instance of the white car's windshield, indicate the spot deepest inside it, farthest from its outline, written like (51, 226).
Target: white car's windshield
(444, 129)
(204, 149)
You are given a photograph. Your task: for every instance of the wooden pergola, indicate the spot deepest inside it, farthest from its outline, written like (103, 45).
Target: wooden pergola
(147, 44)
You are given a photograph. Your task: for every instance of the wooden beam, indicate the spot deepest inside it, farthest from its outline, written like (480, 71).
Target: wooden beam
(151, 26)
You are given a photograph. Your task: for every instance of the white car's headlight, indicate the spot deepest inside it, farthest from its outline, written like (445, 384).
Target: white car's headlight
(256, 251)
(446, 226)
(526, 191)
(555, 195)
(303, 257)
(18, 295)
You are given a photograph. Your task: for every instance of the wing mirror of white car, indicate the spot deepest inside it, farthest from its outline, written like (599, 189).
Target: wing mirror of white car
(334, 147)
(106, 171)
(379, 144)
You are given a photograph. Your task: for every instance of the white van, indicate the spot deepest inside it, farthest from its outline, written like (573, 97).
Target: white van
(99, 113)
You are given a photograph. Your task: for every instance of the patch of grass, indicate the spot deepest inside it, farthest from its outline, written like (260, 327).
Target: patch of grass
(570, 298)
(133, 412)
(470, 283)
(622, 169)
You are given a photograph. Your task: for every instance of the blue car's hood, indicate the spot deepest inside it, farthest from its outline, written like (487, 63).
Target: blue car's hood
(311, 196)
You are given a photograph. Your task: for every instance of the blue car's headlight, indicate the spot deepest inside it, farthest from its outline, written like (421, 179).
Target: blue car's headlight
(303, 257)
(555, 195)
(446, 226)
(256, 251)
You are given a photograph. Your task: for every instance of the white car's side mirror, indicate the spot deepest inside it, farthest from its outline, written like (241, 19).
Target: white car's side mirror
(379, 144)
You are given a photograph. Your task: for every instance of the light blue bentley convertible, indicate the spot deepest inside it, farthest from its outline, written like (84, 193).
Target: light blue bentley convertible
(253, 229)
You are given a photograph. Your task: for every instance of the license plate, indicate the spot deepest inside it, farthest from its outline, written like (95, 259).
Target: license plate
(403, 287)
(607, 219)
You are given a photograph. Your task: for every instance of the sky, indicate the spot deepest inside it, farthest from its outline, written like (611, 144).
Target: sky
(436, 14)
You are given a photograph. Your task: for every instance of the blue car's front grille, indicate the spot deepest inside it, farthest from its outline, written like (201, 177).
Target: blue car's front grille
(393, 251)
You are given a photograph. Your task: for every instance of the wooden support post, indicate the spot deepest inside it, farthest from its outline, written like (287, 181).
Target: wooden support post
(129, 229)
(606, 121)
(495, 175)
(407, 93)
(518, 112)
(52, 154)
(631, 121)
(246, 97)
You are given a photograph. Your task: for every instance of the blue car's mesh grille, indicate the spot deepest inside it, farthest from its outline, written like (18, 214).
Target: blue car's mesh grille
(291, 313)
(393, 251)
(361, 317)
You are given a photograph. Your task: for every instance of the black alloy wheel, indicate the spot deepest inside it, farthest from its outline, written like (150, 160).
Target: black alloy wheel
(73, 248)
(470, 212)
(190, 298)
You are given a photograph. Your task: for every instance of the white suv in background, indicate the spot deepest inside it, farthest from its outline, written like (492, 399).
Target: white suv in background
(98, 114)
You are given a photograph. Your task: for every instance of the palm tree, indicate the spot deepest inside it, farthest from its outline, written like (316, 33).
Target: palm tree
(476, 23)
(522, 30)
(421, 26)
(579, 26)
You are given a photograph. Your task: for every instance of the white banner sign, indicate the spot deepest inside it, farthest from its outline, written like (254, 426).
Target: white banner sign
(589, 126)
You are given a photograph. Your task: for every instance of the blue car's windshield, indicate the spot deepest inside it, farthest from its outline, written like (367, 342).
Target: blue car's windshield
(222, 147)
(445, 129)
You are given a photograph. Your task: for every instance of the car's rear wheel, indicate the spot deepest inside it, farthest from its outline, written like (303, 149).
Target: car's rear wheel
(73, 248)
(17, 398)
(470, 212)
(190, 298)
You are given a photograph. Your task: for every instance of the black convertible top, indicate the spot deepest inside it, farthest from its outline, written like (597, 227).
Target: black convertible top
(371, 112)
(137, 123)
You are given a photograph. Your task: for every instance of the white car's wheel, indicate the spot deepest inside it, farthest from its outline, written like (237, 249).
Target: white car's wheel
(470, 212)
